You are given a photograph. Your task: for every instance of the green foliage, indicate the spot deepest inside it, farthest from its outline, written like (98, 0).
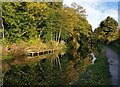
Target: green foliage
(21, 20)
(48, 21)
(16, 22)
(107, 31)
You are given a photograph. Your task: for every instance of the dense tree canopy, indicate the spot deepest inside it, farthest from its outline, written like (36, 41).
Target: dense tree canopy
(47, 21)
(107, 31)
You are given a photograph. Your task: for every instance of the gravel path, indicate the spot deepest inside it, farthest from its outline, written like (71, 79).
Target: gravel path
(114, 66)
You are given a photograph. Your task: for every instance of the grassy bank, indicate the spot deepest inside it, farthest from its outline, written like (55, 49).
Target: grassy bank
(96, 74)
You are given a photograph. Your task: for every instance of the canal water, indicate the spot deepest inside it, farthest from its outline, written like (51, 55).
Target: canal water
(48, 69)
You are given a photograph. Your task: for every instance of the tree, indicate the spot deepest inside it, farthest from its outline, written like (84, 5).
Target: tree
(107, 30)
(78, 28)
(22, 20)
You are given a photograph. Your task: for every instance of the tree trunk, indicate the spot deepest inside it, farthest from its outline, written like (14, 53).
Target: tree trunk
(59, 36)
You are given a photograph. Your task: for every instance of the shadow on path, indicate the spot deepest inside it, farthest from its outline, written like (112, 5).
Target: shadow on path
(114, 66)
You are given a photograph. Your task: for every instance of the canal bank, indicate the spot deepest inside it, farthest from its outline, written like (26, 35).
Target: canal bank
(96, 74)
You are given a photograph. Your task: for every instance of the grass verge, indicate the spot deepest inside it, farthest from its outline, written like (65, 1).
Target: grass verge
(96, 74)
